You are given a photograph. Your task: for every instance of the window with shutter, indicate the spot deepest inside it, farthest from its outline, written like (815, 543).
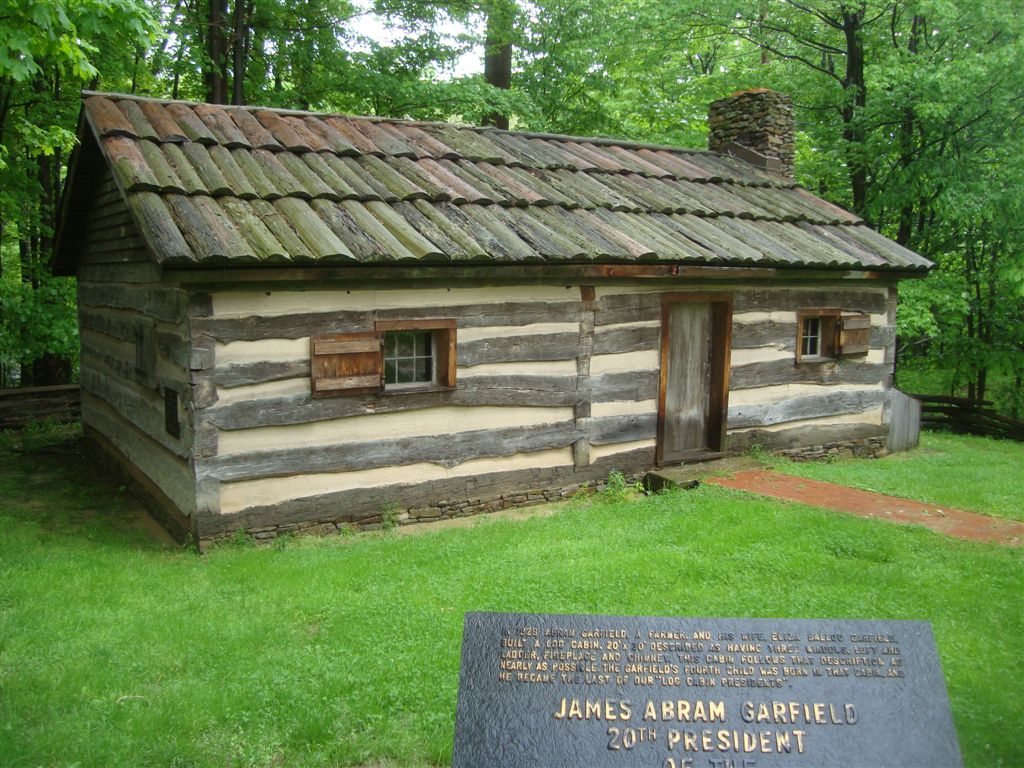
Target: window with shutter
(398, 356)
(346, 363)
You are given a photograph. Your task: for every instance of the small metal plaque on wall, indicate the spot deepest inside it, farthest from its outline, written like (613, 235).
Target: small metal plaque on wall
(549, 691)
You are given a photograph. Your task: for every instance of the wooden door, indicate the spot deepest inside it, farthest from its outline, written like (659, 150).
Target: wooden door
(694, 378)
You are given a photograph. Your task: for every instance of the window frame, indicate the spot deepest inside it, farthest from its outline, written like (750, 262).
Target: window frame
(443, 351)
(828, 334)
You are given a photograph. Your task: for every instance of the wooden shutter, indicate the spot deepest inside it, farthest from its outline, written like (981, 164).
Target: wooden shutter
(854, 334)
(346, 363)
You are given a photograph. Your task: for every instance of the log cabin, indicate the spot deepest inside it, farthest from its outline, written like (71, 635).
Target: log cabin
(296, 322)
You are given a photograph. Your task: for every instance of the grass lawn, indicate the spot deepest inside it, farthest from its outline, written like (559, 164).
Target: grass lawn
(119, 651)
(978, 474)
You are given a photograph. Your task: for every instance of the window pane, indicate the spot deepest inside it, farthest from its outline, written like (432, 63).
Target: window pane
(405, 371)
(406, 344)
(809, 342)
(423, 369)
(408, 357)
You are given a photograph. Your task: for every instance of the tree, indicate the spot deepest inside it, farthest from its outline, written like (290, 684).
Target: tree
(48, 51)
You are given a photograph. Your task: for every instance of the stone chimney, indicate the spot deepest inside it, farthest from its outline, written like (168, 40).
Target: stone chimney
(756, 125)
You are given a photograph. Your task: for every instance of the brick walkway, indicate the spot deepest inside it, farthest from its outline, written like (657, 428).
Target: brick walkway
(947, 520)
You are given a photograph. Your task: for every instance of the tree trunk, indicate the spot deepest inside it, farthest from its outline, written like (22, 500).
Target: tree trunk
(498, 53)
(216, 68)
(240, 35)
(853, 107)
(906, 142)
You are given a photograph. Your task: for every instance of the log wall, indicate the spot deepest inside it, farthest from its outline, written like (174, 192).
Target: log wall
(556, 386)
(134, 348)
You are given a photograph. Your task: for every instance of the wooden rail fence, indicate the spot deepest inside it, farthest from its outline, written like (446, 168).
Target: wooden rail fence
(20, 406)
(962, 414)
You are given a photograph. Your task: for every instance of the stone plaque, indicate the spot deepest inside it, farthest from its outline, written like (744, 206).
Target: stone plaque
(545, 691)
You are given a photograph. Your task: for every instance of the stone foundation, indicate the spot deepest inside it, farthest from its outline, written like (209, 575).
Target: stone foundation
(860, 448)
(441, 510)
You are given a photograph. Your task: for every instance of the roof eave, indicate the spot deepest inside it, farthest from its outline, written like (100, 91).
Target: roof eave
(85, 157)
(531, 271)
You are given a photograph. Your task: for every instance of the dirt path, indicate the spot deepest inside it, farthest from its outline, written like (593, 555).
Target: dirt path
(947, 520)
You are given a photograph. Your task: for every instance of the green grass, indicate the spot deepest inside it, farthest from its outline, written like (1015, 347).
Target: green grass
(116, 651)
(977, 474)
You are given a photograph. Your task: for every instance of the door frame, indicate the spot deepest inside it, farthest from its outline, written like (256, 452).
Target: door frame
(721, 350)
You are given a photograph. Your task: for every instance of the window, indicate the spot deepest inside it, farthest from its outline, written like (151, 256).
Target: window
(816, 335)
(825, 334)
(810, 339)
(409, 358)
(418, 353)
(397, 356)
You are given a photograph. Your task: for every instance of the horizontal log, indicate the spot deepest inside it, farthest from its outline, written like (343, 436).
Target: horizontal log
(167, 471)
(138, 272)
(614, 387)
(362, 503)
(20, 406)
(783, 335)
(104, 216)
(627, 308)
(143, 408)
(123, 367)
(833, 372)
(542, 391)
(244, 374)
(445, 450)
(623, 429)
(294, 326)
(791, 299)
(801, 408)
(966, 401)
(509, 349)
(160, 303)
(633, 307)
(158, 504)
(617, 340)
(126, 255)
(122, 324)
(114, 239)
(802, 436)
(115, 230)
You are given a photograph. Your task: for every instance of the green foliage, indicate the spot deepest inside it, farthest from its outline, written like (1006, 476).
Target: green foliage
(120, 652)
(908, 112)
(37, 320)
(618, 488)
(48, 52)
(389, 517)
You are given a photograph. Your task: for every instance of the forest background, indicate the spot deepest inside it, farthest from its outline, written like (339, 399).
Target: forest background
(909, 113)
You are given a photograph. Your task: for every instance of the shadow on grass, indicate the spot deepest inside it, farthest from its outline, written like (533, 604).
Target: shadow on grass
(52, 482)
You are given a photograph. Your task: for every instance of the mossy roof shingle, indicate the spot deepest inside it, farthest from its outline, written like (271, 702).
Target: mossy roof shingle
(218, 185)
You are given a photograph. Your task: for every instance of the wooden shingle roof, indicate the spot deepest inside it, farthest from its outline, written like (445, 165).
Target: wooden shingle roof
(214, 185)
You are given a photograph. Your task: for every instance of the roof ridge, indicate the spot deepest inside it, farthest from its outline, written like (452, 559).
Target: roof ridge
(603, 141)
